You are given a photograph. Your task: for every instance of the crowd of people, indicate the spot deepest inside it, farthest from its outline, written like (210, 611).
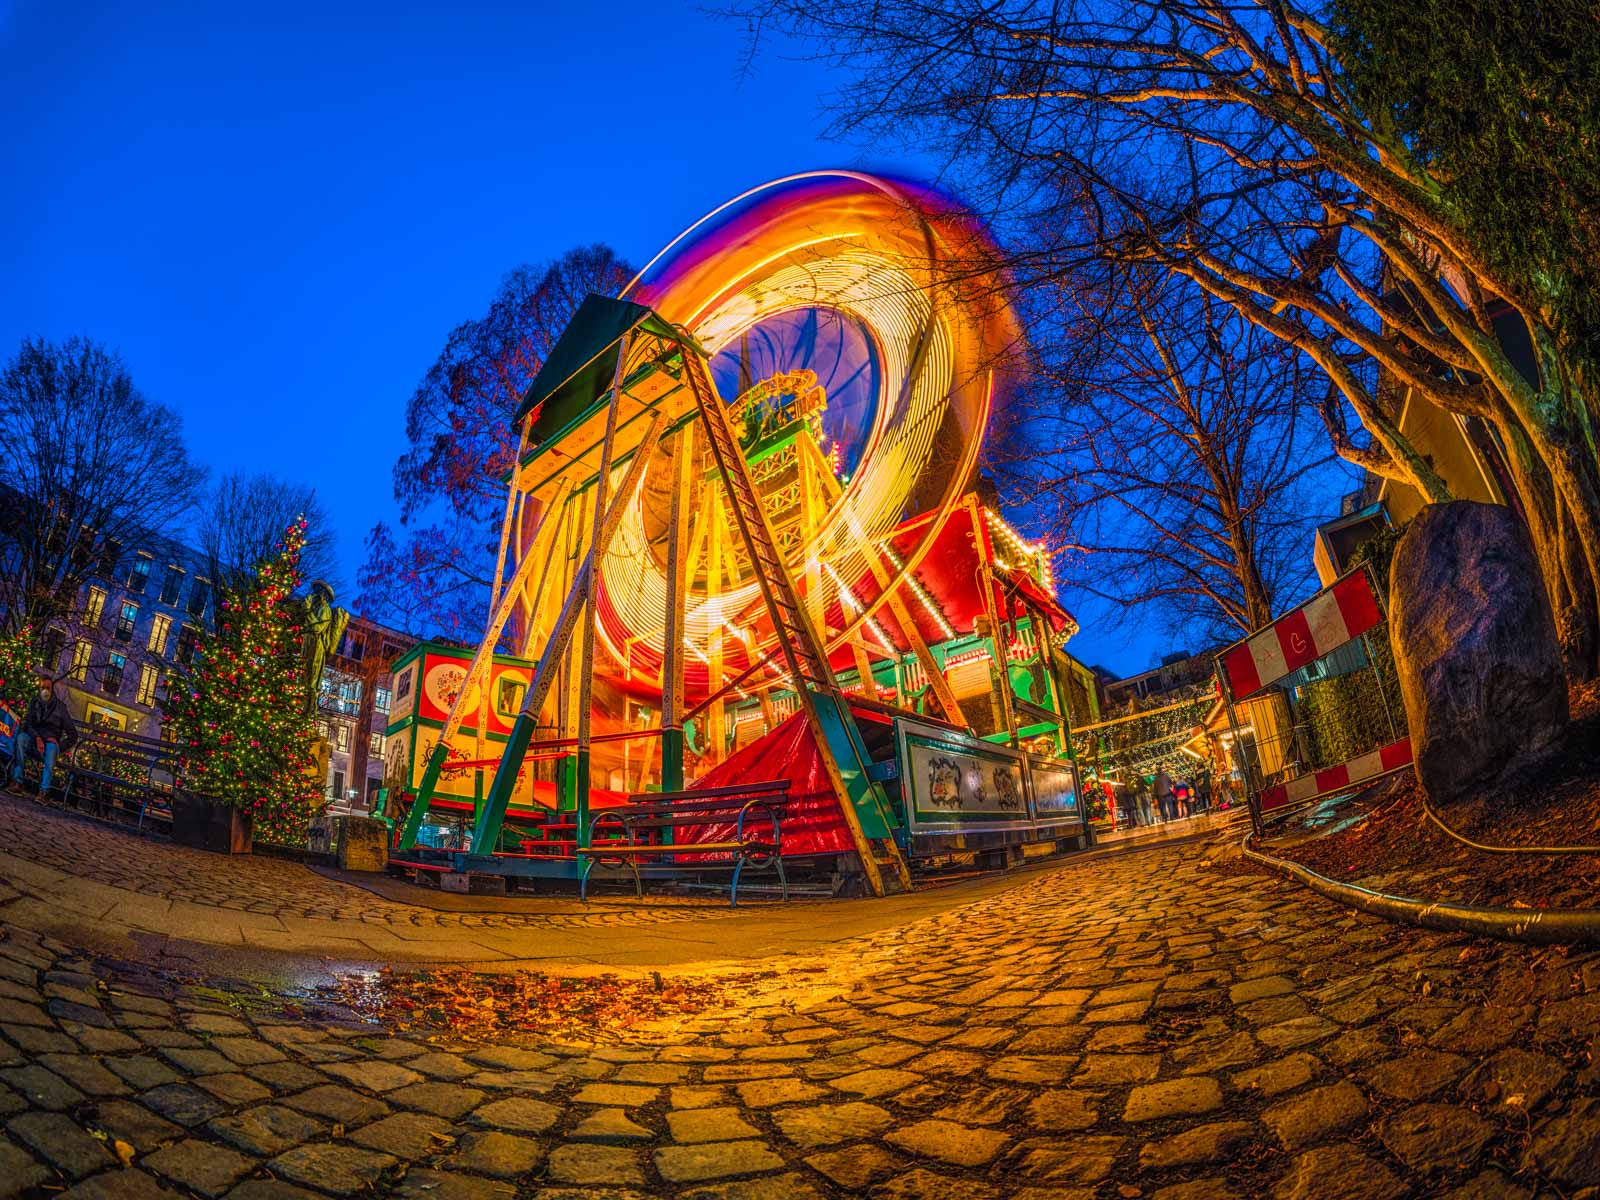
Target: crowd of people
(1160, 799)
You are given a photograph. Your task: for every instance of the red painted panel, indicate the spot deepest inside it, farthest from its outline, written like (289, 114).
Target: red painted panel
(1333, 778)
(1397, 754)
(1358, 604)
(1241, 670)
(1294, 635)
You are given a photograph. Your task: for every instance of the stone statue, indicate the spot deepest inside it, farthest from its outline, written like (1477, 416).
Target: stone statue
(322, 627)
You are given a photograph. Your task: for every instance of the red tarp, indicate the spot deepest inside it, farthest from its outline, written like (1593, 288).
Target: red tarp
(812, 822)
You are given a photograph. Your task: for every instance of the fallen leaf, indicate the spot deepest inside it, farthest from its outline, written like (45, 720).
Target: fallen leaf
(124, 1152)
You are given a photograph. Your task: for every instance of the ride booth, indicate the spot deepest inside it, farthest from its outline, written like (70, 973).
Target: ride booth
(746, 580)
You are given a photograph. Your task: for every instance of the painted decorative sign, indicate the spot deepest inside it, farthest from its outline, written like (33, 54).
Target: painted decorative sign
(958, 782)
(1055, 791)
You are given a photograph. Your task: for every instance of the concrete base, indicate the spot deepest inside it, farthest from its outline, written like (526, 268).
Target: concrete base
(470, 883)
(363, 844)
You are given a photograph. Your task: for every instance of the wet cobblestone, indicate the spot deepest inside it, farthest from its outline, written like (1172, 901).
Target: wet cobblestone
(1134, 1026)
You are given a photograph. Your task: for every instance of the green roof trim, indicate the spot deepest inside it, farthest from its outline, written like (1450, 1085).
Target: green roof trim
(578, 371)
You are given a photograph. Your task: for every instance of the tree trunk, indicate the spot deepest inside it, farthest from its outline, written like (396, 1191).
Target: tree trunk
(1562, 562)
(1577, 623)
(1577, 546)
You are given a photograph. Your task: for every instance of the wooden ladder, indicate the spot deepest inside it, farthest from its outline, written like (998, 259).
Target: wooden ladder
(844, 756)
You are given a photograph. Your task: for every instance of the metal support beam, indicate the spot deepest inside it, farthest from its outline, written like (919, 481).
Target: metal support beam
(487, 831)
(479, 672)
(672, 666)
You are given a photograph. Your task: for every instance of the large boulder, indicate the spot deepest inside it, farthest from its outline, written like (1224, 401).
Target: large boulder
(1475, 648)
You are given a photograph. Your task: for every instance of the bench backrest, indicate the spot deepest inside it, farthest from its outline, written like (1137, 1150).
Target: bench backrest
(102, 749)
(736, 794)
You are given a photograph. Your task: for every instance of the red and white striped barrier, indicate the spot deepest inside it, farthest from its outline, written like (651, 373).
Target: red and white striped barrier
(1385, 760)
(1339, 613)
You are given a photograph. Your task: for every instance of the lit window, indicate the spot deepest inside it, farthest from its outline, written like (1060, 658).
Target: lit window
(95, 606)
(111, 677)
(126, 622)
(80, 660)
(376, 745)
(139, 575)
(159, 629)
(343, 736)
(147, 685)
(380, 699)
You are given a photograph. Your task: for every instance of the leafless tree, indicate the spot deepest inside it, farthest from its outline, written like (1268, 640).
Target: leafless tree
(1220, 142)
(243, 522)
(435, 575)
(91, 466)
(1170, 449)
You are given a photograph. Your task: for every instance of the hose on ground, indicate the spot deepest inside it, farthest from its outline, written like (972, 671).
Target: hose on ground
(1479, 846)
(1537, 926)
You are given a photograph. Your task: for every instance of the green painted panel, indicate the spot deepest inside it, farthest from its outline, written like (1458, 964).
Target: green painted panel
(872, 808)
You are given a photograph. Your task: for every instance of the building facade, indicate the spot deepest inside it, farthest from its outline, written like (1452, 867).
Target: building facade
(138, 618)
(353, 709)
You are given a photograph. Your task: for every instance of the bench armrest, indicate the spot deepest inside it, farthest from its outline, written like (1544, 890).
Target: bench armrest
(772, 810)
(609, 816)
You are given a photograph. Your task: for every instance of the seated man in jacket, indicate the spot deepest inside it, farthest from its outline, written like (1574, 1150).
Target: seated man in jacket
(47, 731)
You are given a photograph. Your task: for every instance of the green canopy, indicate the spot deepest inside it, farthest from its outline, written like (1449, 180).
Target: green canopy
(579, 369)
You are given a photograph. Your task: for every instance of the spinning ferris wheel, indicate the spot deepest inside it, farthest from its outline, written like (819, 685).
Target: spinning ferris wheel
(728, 479)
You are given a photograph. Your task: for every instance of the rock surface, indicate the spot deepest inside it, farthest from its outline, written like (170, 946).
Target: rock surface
(1475, 647)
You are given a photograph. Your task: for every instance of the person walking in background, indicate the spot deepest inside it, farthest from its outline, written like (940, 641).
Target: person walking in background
(1146, 816)
(1130, 806)
(1165, 800)
(47, 731)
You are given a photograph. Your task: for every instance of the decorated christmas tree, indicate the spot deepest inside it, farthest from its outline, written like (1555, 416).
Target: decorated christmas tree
(242, 720)
(17, 659)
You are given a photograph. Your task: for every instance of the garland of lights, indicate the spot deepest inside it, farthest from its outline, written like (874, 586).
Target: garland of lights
(1143, 744)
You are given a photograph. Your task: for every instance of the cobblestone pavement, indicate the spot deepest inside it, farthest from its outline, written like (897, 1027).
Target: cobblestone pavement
(259, 883)
(1146, 1025)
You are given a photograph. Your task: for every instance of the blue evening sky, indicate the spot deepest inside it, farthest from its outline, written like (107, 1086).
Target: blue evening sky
(277, 212)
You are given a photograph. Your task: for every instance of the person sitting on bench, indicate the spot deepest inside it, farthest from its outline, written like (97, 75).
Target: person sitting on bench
(47, 731)
(10, 747)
